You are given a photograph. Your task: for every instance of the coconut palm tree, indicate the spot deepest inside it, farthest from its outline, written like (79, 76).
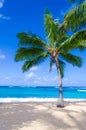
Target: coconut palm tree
(33, 50)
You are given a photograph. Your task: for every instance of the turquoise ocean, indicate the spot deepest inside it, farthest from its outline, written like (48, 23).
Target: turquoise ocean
(40, 93)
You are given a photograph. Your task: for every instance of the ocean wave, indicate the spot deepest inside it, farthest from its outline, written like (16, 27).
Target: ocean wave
(81, 90)
(8, 100)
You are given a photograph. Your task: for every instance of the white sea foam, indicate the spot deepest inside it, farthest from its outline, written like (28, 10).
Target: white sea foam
(81, 90)
(8, 100)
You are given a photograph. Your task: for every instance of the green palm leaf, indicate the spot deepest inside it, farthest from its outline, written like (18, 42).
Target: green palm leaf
(62, 66)
(51, 64)
(54, 34)
(30, 40)
(28, 53)
(74, 60)
(75, 18)
(51, 29)
(62, 36)
(35, 61)
(78, 40)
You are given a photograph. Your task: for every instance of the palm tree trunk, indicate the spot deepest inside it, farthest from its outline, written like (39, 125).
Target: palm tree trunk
(60, 98)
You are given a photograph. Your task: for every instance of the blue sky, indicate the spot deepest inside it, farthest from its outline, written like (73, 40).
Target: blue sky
(27, 15)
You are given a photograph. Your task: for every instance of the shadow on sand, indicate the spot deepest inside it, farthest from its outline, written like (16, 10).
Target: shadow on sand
(16, 116)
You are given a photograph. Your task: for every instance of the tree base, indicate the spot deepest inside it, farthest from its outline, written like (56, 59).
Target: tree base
(60, 103)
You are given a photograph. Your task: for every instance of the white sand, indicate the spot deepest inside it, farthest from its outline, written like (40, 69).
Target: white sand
(42, 116)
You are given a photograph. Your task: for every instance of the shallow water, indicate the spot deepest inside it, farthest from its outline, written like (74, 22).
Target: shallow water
(41, 92)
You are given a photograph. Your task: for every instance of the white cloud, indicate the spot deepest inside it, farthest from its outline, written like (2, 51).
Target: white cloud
(34, 79)
(2, 56)
(7, 77)
(1, 15)
(55, 78)
(4, 17)
(34, 68)
(66, 79)
(30, 75)
(1, 3)
(45, 80)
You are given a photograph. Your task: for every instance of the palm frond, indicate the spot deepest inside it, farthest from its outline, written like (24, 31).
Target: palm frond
(28, 53)
(51, 64)
(78, 40)
(72, 59)
(30, 40)
(51, 29)
(75, 18)
(62, 35)
(62, 66)
(35, 61)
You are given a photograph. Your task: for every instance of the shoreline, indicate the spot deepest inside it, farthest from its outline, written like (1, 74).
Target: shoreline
(12, 100)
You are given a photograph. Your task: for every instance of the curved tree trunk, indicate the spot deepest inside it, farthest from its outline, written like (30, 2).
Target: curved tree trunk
(60, 98)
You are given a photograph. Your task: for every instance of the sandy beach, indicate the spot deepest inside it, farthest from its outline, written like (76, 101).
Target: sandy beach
(42, 116)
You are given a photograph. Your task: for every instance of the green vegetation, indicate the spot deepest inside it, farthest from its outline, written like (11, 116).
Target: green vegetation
(76, 18)
(33, 50)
